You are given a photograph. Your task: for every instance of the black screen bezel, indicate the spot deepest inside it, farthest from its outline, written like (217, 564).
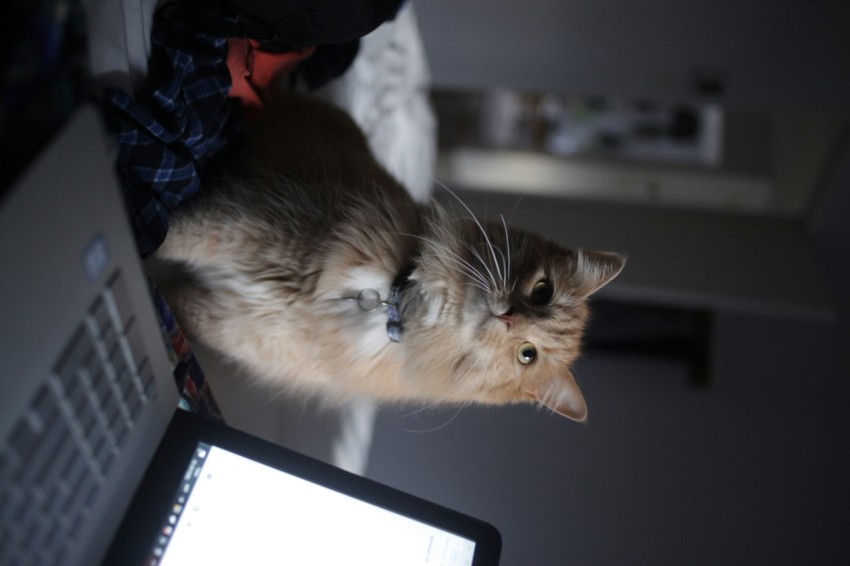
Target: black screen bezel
(149, 509)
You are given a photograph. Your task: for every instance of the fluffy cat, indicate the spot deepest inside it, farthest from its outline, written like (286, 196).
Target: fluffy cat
(275, 253)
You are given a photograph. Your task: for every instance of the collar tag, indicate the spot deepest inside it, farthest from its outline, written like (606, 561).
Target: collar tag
(395, 327)
(369, 299)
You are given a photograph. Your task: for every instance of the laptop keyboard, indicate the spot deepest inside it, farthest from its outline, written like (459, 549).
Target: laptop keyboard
(61, 450)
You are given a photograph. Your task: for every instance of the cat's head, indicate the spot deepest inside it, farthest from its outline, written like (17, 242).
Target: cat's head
(503, 312)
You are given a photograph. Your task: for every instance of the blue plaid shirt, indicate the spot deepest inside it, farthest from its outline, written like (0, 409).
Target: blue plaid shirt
(180, 121)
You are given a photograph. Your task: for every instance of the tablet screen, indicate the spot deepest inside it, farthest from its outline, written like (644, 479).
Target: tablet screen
(230, 509)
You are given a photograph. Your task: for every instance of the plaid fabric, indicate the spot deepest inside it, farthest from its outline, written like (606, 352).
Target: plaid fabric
(169, 133)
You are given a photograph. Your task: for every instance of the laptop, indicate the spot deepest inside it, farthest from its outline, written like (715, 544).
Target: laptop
(97, 464)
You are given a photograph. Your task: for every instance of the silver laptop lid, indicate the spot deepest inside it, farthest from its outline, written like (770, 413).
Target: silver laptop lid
(86, 388)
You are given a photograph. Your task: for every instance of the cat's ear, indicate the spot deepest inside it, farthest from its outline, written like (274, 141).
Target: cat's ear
(562, 396)
(594, 270)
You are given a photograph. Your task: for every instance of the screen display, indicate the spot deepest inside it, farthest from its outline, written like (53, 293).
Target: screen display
(233, 510)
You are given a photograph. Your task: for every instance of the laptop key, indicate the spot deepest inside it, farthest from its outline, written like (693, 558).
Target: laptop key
(99, 317)
(135, 346)
(104, 457)
(87, 418)
(147, 378)
(110, 343)
(80, 347)
(119, 430)
(102, 388)
(81, 502)
(134, 404)
(73, 480)
(45, 406)
(55, 501)
(53, 542)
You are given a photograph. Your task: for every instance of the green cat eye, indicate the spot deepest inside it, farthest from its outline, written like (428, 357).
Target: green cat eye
(526, 353)
(542, 292)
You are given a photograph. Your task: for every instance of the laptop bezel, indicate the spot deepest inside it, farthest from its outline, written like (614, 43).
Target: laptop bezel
(151, 503)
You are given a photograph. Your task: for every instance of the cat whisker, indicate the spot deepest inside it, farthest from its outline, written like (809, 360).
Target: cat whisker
(519, 200)
(475, 277)
(500, 270)
(429, 406)
(468, 269)
(438, 403)
(504, 264)
(475, 219)
(421, 409)
(473, 284)
(483, 263)
(449, 393)
(507, 248)
(491, 247)
(473, 274)
(435, 429)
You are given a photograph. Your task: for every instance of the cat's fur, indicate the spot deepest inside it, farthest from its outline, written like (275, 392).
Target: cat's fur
(269, 255)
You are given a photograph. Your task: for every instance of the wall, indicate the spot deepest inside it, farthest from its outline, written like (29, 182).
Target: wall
(775, 54)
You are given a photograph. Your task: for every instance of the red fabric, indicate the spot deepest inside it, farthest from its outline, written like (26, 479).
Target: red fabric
(255, 74)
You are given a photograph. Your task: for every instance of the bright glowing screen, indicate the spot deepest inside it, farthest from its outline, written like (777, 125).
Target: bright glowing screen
(233, 510)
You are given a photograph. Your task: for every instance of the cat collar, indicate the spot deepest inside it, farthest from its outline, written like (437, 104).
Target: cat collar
(394, 324)
(370, 299)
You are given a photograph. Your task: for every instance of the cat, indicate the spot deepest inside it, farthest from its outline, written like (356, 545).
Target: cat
(312, 267)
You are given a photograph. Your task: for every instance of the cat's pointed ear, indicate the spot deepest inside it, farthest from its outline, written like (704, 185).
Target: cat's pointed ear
(562, 396)
(594, 270)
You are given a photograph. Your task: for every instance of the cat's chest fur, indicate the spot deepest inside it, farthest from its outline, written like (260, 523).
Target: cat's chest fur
(362, 322)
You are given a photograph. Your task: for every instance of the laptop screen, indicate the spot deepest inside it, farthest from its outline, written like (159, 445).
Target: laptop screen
(215, 495)
(230, 509)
